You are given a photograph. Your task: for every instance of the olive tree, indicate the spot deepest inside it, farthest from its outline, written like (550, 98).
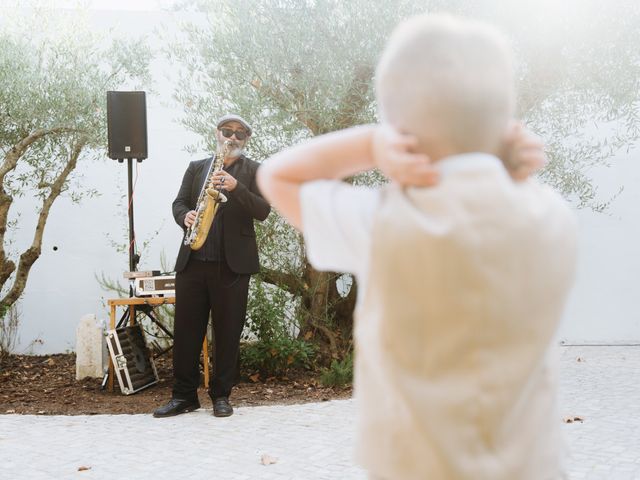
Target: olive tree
(300, 68)
(53, 85)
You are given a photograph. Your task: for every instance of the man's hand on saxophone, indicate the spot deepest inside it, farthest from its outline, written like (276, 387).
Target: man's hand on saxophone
(189, 218)
(222, 180)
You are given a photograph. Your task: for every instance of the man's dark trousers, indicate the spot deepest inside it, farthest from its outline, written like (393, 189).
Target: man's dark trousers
(200, 286)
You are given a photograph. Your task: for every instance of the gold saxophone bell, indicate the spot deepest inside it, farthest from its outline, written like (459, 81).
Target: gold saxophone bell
(216, 195)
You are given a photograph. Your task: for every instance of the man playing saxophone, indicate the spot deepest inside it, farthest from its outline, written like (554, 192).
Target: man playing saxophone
(212, 275)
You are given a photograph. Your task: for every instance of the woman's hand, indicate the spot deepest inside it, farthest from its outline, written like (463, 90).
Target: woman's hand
(393, 154)
(523, 152)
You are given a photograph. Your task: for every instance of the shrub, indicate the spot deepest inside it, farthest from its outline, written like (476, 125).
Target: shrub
(339, 373)
(276, 356)
(269, 313)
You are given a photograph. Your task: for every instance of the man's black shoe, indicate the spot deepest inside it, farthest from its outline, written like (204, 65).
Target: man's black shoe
(176, 406)
(221, 407)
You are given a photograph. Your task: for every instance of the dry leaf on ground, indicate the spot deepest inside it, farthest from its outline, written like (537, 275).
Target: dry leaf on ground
(573, 419)
(268, 459)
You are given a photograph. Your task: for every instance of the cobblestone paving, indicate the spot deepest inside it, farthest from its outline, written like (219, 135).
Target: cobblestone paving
(599, 385)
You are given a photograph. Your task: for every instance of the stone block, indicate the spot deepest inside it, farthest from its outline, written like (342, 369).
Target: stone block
(90, 348)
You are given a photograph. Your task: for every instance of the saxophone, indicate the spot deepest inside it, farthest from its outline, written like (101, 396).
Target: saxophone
(209, 200)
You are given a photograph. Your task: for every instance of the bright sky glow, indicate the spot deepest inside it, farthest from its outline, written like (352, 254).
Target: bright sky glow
(122, 4)
(128, 5)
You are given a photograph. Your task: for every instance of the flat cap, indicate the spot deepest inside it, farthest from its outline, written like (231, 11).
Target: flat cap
(230, 117)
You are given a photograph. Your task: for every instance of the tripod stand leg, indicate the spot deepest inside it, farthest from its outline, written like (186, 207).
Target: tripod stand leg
(205, 358)
(106, 377)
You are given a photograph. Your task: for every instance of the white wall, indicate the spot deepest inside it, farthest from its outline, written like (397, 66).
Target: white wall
(604, 306)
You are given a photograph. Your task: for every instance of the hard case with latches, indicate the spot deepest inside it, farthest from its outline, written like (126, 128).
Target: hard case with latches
(132, 363)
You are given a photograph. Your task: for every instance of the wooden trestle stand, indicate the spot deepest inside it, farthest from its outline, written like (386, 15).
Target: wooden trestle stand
(153, 302)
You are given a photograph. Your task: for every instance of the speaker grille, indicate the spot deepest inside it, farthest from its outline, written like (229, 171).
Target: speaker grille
(127, 125)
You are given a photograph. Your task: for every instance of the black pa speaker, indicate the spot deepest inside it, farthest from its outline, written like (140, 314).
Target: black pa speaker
(127, 125)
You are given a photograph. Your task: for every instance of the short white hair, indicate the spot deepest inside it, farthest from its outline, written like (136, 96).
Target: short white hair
(448, 79)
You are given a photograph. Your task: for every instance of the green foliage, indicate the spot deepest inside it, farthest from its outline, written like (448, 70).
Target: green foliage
(339, 373)
(268, 312)
(271, 347)
(281, 247)
(276, 356)
(295, 68)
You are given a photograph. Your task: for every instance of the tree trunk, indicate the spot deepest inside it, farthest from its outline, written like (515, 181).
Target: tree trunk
(327, 316)
(32, 253)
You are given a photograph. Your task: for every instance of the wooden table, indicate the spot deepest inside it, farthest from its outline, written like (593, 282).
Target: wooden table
(153, 302)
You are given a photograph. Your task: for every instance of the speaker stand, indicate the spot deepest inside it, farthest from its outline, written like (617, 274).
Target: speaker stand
(134, 258)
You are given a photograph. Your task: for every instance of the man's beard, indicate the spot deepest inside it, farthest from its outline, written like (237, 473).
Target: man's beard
(235, 150)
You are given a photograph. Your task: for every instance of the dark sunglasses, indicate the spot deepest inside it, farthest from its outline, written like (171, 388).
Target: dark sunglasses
(228, 132)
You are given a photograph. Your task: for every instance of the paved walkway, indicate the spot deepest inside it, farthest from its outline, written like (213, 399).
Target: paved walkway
(314, 441)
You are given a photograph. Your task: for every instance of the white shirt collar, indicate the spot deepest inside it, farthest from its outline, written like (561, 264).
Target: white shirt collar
(468, 161)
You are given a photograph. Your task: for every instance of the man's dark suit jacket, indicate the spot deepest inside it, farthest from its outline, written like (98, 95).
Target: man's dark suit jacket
(245, 203)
